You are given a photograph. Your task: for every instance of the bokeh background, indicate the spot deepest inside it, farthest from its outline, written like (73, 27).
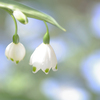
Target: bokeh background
(77, 51)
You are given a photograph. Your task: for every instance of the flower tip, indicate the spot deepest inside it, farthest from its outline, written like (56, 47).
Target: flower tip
(11, 59)
(55, 69)
(20, 16)
(34, 70)
(17, 62)
(47, 71)
(25, 22)
(63, 29)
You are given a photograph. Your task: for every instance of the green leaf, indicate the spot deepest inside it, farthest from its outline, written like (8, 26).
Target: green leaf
(29, 12)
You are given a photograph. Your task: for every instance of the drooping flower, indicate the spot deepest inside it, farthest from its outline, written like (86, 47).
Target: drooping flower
(43, 58)
(15, 52)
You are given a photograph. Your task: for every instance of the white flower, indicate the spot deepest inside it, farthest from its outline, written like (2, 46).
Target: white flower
(43, 58)
(15, 52)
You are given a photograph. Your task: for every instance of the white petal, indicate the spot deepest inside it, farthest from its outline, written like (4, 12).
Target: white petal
(55, 68)
(40, 58)
(19, 52)
(15, 51)
(44, 58)
(52, 58)
(37, 55)
(47, 64)
(7, 50)
(35, 69)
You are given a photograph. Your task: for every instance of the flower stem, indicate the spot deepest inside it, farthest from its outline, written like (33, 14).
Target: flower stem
(15, 24)
(46, 38)
(46, 27)
(15, 36)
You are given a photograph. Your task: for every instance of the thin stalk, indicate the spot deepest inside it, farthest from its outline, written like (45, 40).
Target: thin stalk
(46, 38)
(46, 27)
(15, 24)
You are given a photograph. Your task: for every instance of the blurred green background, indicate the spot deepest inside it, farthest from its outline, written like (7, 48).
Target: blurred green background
(77, 51)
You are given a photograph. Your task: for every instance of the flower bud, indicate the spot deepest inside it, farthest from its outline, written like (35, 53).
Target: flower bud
(20, 16)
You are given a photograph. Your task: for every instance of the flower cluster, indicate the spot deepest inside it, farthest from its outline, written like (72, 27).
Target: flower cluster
(43, 57)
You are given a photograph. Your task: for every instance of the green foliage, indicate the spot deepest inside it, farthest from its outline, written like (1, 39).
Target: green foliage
(29, 12)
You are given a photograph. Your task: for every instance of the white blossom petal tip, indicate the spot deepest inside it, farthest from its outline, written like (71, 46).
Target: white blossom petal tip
(47, 71)
(15, 52)
(55, 68)
(43, 58)
(35, 69)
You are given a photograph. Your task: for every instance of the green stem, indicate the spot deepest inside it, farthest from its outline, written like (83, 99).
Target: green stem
(46, 38)
(15, 36)
(15, 24)
(11, 13)
(46, 27)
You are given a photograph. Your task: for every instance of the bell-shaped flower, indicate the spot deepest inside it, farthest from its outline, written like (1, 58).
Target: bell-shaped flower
(15, 52)
(43, 58)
